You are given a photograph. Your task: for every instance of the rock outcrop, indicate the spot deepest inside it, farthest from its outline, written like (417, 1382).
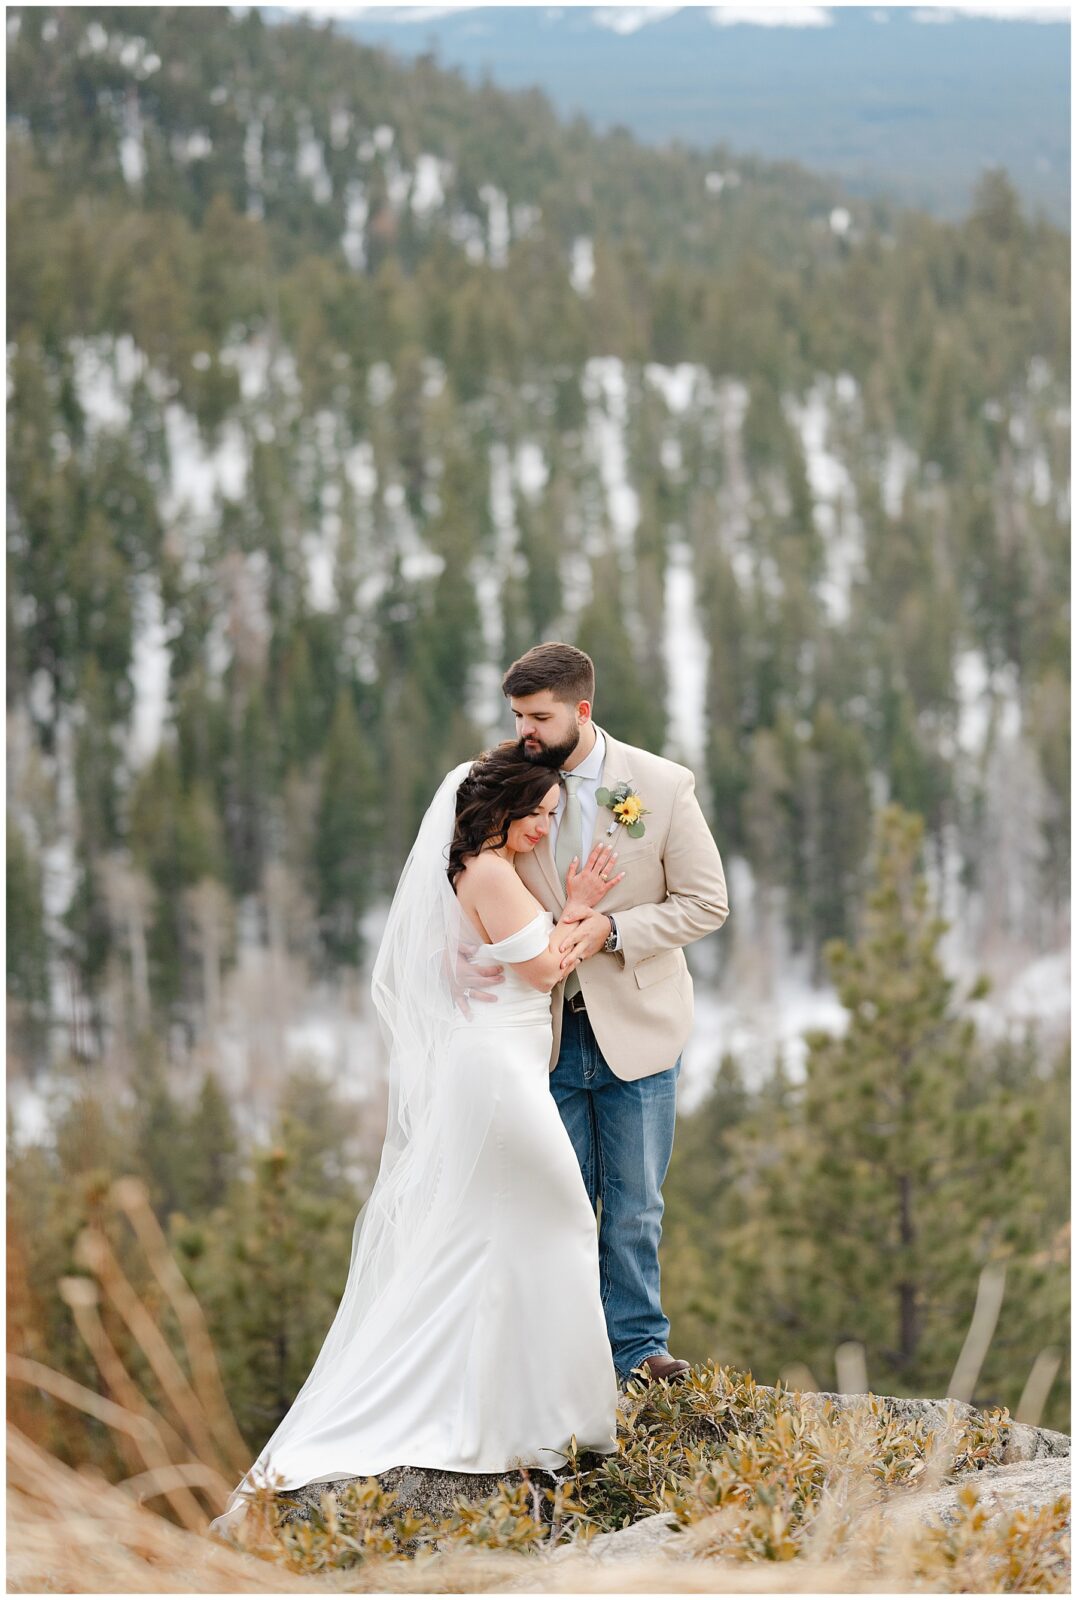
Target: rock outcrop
(1019, 1485)
(426, 1490)
(1035, 1469)
(1022, 1442)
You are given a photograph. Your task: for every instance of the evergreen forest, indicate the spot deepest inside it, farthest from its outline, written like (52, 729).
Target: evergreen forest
(335, 383)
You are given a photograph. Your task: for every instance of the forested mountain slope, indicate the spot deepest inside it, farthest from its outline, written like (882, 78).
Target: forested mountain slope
(334, 383)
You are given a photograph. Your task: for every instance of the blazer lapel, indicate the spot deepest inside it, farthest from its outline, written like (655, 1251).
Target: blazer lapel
(615, 770)
(546, 864)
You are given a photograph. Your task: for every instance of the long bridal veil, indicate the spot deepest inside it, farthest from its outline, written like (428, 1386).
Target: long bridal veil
(428, 1154)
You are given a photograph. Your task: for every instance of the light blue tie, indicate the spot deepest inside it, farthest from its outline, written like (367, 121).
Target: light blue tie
(569, 844)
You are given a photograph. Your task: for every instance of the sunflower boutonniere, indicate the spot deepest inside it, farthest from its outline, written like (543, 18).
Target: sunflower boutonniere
(627, 807)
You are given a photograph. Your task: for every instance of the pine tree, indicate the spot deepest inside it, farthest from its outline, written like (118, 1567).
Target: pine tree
(918, 777)
(270, 1282)
(322, 1135)
(97, 765)
(902, 1189)
(176, 838)
(159, 1150)
(251, 777)
(725, 625)
(27, 945)
(840, 820)
(344, 850)
(541, 598)
(943, 426)
(212, 1149)
(628, 699)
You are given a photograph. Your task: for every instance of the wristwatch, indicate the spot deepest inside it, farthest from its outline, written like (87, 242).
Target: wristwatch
(611, 943)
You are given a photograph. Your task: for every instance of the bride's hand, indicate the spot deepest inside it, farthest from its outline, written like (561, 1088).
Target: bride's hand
(585, 887)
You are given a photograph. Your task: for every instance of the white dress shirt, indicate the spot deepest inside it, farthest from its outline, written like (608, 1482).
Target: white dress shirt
(590, 770)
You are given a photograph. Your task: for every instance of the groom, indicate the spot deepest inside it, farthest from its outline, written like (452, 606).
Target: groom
(621, 1019)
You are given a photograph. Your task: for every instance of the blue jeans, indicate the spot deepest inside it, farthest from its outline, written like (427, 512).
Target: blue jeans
(623, 1137)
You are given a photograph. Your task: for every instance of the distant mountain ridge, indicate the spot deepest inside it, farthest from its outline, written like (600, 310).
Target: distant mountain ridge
(908, 103)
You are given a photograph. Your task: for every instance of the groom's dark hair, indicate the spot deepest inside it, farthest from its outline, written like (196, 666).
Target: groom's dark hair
(567, 672)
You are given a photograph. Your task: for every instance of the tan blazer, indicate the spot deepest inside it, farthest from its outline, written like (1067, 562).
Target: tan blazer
(639, 1000)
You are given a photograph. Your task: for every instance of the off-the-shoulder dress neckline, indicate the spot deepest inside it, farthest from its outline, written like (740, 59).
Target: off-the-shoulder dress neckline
(486, 944)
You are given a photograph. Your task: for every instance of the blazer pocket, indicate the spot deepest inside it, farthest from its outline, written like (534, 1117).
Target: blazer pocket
(652, 970)
(636, 852)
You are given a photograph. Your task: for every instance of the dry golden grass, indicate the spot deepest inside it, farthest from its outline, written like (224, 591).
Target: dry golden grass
(72, 1533)
(766, 1491)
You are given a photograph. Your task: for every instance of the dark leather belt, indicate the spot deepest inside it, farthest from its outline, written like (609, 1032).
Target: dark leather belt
(575, 1002)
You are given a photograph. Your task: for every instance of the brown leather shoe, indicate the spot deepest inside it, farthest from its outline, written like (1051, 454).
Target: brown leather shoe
(659, 1366)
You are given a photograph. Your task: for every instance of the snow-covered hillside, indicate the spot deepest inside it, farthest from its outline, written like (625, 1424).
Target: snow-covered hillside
(755, 995)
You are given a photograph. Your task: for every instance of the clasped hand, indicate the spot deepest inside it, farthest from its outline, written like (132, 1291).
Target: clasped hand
(584, 889)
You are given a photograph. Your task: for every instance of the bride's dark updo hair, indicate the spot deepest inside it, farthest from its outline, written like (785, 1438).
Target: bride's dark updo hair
(500, 788)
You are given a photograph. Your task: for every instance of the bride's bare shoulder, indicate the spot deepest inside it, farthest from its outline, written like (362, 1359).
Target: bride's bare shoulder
(485, 875)
(487, 868)
(489, 881)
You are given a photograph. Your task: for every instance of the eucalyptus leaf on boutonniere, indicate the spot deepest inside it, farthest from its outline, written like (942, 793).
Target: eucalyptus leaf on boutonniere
(627, 807)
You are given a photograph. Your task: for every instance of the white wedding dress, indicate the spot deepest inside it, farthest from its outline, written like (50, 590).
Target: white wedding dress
(487, 1347)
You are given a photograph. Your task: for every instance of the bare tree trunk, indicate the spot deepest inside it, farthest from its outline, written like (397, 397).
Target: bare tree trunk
(908, 1311)
(129, 895)
(207, 905)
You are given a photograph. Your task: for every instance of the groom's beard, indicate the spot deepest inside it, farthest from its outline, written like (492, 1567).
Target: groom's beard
(549, 755)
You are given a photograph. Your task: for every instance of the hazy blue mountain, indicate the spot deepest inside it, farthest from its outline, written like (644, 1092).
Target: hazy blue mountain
(887, 100)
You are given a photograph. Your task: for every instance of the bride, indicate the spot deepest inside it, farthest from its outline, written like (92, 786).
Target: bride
(471, 1335)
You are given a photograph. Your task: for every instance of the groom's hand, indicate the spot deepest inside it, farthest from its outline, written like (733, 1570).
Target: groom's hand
(474, 982)
(589, 933)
